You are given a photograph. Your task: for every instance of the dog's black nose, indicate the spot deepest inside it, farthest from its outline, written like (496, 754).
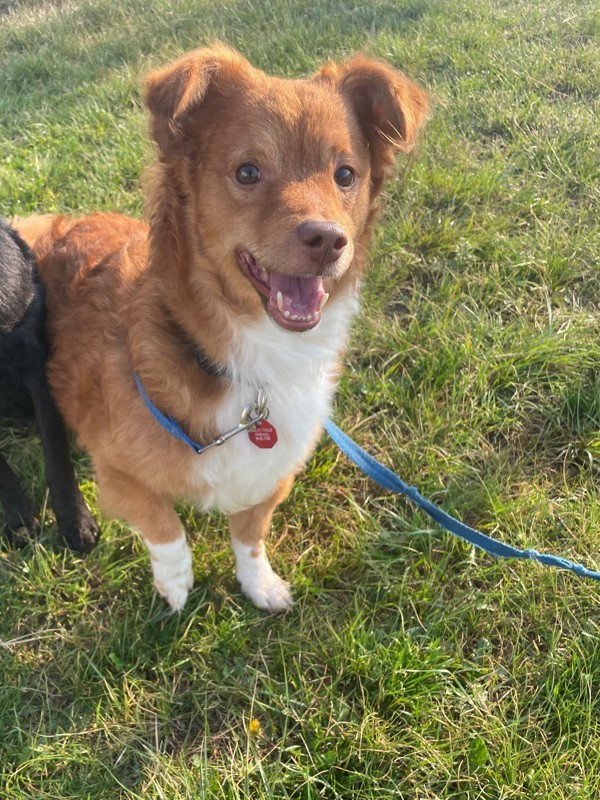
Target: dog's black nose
(323, 241)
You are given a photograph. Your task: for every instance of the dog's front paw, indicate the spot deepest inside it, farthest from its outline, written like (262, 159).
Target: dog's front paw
(175, 590)
(270, 593)
(21, 529)
(259, 582)
(172, 570)
(81, 532)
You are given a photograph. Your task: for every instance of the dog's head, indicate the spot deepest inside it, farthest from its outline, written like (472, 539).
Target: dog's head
(280, 177)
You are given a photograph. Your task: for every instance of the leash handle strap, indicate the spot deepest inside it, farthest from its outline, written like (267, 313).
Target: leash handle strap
(388, 480)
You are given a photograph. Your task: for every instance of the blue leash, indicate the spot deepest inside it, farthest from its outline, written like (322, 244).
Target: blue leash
(168, 423)
(386, 478)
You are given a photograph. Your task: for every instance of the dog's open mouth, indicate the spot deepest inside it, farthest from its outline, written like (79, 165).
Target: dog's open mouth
(294, 302)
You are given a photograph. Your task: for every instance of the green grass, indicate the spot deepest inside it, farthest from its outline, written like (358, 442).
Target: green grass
(411, 666)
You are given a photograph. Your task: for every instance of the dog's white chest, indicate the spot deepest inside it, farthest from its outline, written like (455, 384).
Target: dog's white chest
(239, 473)
(298, 373)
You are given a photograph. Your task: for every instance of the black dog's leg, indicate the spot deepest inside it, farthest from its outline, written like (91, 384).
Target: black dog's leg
(20, 524)
(75, 522)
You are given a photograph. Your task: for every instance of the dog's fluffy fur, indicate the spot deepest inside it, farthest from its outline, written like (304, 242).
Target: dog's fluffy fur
(24, 393)
(260, 204)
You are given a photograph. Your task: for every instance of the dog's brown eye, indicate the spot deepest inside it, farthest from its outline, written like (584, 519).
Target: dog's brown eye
(247, 174)
(344, 176)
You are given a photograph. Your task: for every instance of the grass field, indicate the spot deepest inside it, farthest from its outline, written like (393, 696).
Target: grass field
(411, 667)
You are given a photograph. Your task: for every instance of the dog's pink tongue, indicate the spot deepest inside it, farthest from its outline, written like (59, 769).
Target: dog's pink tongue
(299, 296)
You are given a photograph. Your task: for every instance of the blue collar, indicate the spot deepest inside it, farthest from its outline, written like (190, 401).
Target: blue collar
(251, 415)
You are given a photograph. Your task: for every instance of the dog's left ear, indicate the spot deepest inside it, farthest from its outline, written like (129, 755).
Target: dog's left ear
(391, 109)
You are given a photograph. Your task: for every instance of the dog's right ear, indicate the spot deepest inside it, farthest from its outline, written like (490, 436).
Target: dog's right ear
(175, 95)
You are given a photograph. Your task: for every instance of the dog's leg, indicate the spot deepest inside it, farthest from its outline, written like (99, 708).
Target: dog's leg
(75, 523)
(20, 523)
(249, 530)
(153, 517)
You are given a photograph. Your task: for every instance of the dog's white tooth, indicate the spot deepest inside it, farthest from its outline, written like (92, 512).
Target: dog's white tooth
(280, 301)
(323, 300)
(287, 314)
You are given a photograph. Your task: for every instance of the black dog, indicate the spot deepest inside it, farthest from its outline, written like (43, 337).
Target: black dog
(24, 392)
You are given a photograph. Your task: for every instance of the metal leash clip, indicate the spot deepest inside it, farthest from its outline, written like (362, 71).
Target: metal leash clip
(259, 407)
(253, 414)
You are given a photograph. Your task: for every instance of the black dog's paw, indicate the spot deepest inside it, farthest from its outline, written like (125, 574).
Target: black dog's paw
(21, 529)
(80, 533)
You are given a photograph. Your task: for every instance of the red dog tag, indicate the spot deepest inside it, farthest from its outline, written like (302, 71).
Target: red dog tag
(264, 435)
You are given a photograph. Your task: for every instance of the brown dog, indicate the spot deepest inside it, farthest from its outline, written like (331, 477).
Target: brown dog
(260, 211)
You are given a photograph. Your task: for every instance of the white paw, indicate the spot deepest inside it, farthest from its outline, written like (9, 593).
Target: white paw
(258, 580)
(175, 590)
(172, 570)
